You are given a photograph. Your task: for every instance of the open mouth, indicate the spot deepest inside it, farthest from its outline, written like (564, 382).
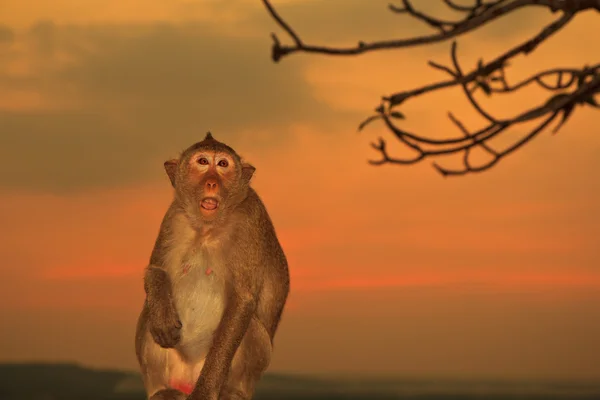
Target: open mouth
(209, 203)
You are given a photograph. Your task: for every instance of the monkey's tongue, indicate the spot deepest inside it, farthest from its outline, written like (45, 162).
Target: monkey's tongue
(209, 204)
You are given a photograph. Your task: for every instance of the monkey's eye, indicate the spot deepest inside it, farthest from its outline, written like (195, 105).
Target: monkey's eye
(202, 161)
(223, 163)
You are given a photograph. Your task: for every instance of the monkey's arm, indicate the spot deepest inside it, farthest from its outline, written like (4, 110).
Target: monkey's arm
(227, 338)
(163, 320)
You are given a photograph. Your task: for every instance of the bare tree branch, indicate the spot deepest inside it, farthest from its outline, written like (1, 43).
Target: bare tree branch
(477, 15)
(571, 87)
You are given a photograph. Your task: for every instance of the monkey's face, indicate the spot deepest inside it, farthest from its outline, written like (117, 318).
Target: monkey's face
(210, 180)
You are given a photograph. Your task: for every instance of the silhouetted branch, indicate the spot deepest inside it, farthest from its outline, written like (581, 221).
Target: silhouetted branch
(477, 15)
(572, 87)
(588, 84)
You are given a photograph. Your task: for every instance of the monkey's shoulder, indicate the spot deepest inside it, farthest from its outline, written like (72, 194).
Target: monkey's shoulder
(251, 217)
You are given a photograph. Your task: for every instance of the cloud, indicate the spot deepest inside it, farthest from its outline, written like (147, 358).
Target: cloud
(112, 102)
(462, 280)
(6, 35)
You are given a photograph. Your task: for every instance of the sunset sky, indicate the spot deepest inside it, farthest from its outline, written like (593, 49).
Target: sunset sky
(395, 270)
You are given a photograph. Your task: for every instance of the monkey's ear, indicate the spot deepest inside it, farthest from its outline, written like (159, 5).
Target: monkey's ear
(171, 168)
(247, 172)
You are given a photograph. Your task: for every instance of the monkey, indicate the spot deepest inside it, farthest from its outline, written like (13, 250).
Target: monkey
(216, 284)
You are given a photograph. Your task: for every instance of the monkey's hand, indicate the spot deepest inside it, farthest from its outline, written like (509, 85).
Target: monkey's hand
(164, 323)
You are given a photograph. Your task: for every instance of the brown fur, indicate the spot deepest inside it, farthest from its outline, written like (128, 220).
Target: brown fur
(216, 284)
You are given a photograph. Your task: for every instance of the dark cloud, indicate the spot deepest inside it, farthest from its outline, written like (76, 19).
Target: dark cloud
(44, 38)
(174, 71)
(141, 94)
(6, 35)
(59, 152)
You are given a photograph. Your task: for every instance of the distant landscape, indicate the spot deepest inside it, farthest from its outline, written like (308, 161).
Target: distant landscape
(74, 382)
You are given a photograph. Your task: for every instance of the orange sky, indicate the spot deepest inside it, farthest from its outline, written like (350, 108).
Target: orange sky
(394, 270)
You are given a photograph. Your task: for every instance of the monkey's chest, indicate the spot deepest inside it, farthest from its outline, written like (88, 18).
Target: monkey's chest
(199, 294)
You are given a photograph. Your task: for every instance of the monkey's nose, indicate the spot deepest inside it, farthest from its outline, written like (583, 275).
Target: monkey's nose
(211, 184)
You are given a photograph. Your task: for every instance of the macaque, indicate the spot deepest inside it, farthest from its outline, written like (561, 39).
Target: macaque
(216, 284)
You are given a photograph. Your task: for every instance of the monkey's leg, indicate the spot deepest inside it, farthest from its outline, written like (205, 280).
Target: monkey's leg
(166, 375)
(251, 359)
